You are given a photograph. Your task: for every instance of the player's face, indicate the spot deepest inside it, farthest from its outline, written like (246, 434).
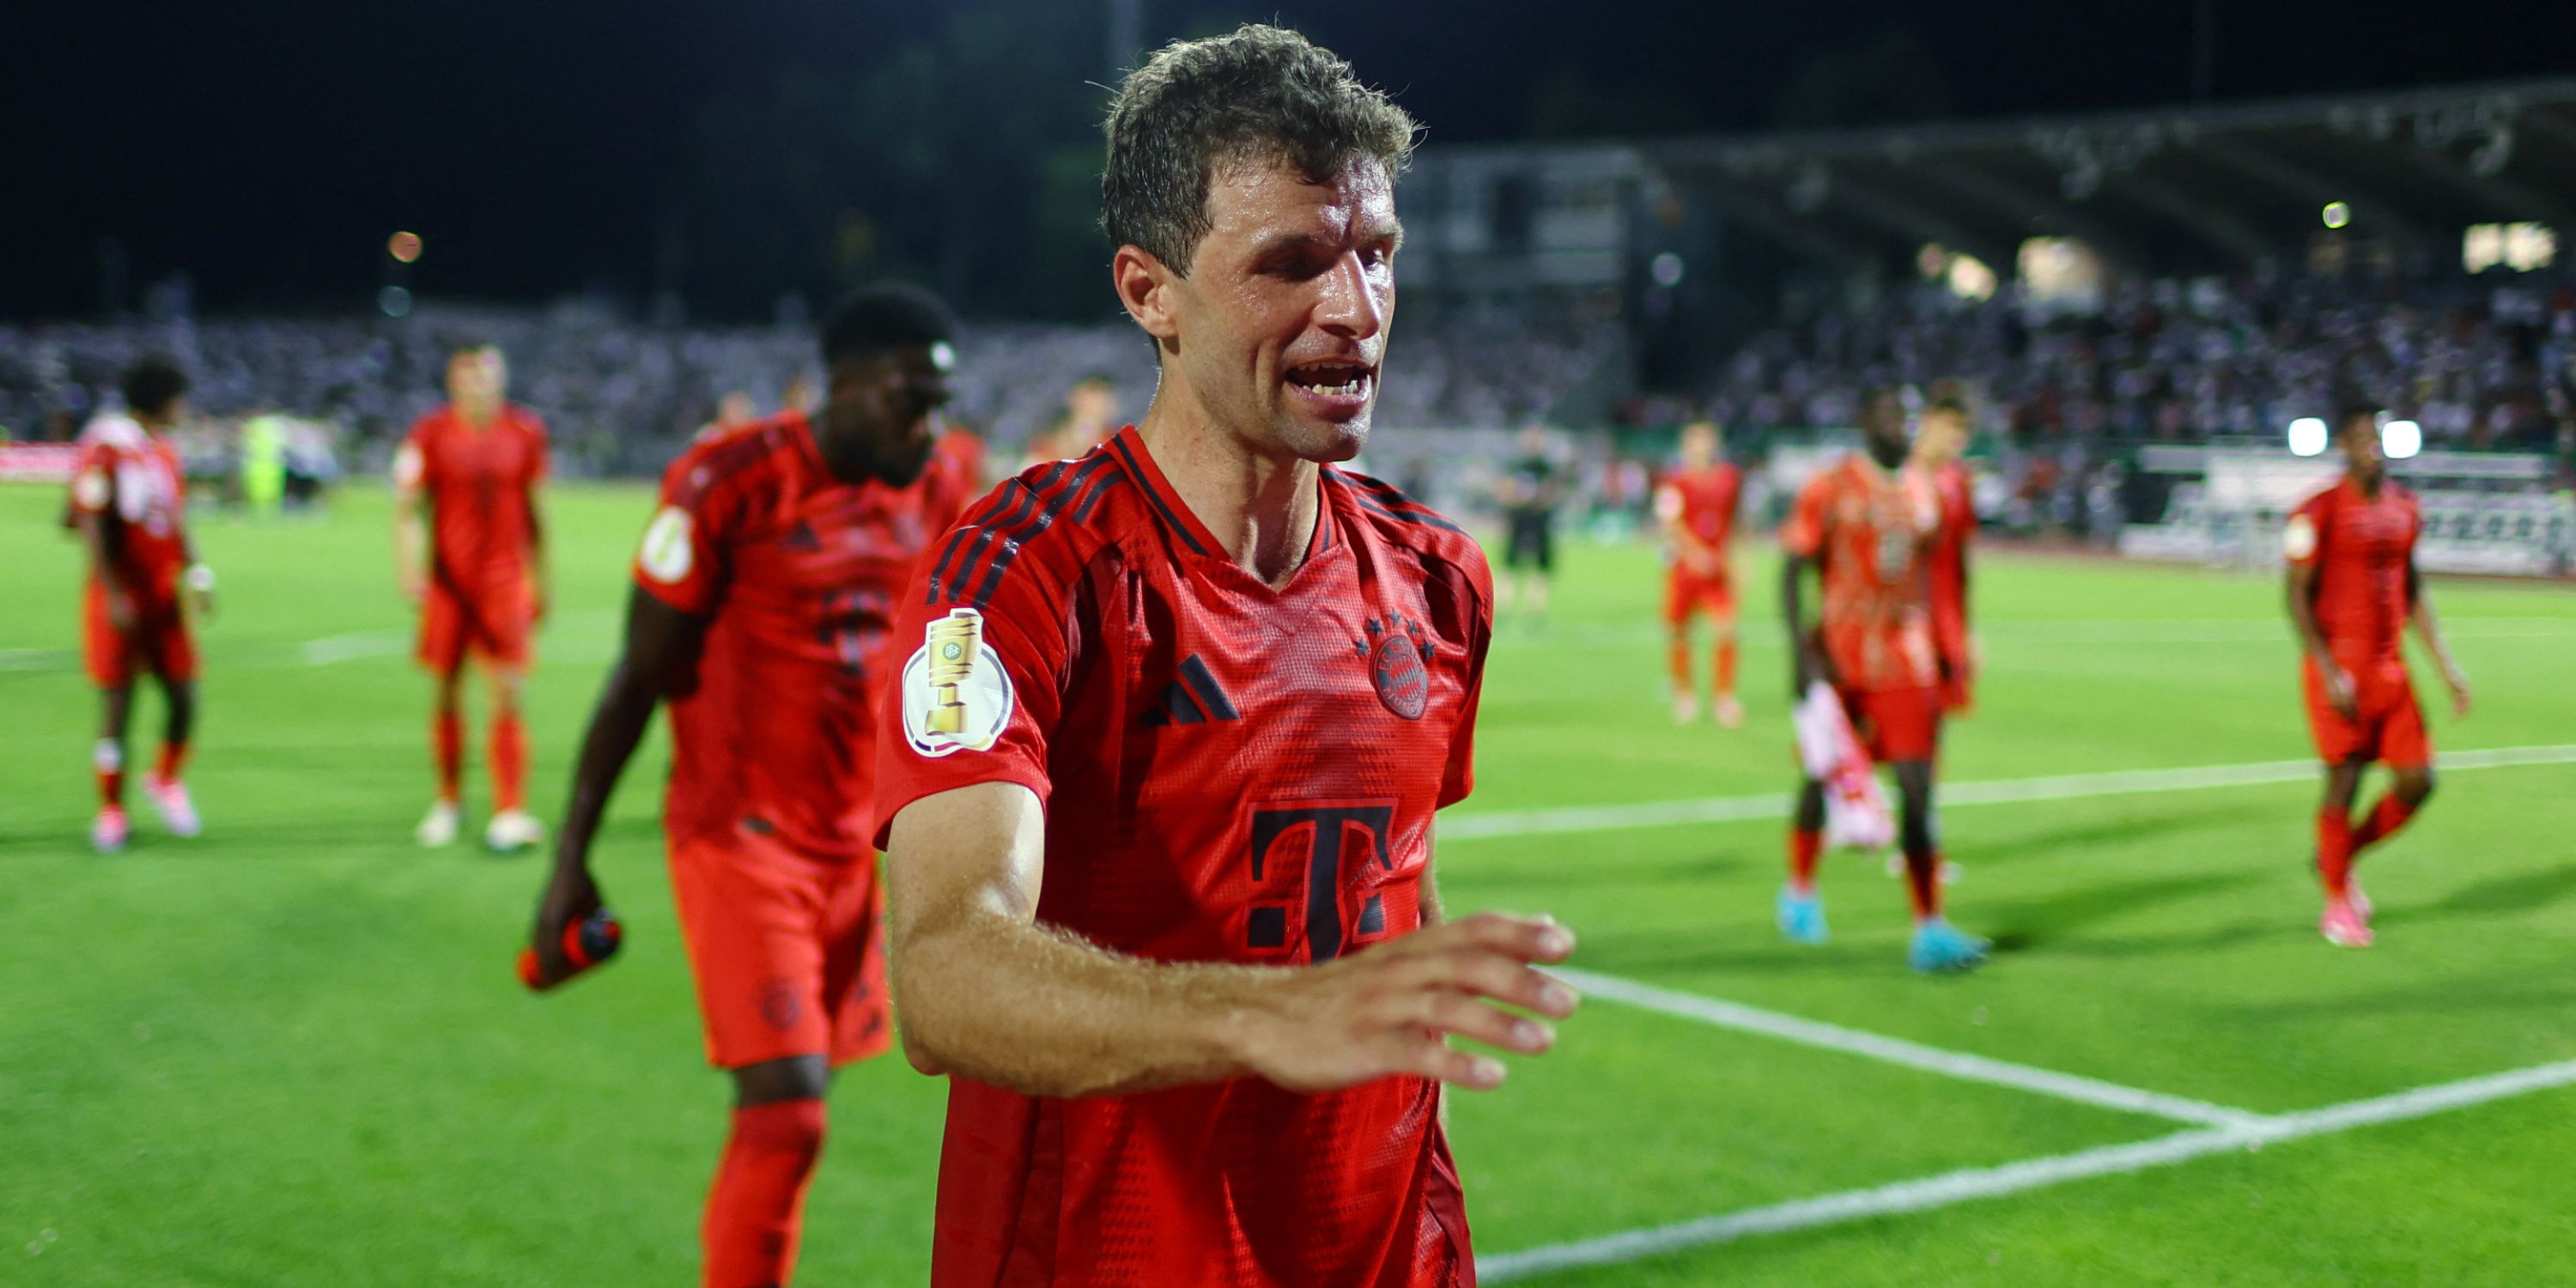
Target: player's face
(881, 411)
(1882, 421)
(1941, 439)
(1282, 322)
(1699, 446)
(477, 378)
(1091, 403)
(2361, 448)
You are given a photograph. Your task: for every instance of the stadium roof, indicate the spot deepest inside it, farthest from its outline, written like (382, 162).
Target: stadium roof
(2191, 188)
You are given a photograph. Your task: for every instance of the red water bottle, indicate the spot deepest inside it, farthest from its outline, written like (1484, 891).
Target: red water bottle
(586, 943)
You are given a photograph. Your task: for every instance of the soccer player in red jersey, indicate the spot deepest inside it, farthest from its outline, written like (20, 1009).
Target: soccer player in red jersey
(1865, 531)
(1939, 441)
(477, 570)
(129, 502)
(765, 585)
(1160, 804)
(2353, 591)
(1697, 505)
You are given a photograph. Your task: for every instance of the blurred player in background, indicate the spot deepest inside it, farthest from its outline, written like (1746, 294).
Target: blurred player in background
(763, 590)
(1940, 441)
(1866, 533)
(476, 567)
(1160, 806)
(129, 502)
(1531, 491)
(2353, 591)
(1697, 506)
(1089, 417)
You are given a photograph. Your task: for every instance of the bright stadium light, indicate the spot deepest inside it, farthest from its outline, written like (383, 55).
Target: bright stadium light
(2337, 214)
(2307, 436)
(2399, 439)
(404, 247)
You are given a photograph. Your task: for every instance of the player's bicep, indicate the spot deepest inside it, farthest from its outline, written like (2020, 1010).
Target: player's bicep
(969, 851)
(662, 644)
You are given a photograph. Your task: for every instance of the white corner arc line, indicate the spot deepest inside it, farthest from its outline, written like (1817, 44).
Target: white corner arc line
(1737, 809)
(1913, 1055)
(1967, 1184)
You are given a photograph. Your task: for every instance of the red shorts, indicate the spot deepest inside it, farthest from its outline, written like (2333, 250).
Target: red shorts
(1686, 592)
(160, 643)
(496, 627)
(2386, 724)
(788, 950)
(1896, 724)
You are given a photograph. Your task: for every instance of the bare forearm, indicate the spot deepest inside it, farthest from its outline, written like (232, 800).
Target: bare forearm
(411, 539)
(616, 728)
(994, 998)
(1793, 600)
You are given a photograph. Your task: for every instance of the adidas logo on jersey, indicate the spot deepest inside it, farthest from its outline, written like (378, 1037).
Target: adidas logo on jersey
(1194, 698)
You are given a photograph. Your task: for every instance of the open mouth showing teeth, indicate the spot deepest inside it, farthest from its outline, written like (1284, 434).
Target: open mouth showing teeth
(1339, 380)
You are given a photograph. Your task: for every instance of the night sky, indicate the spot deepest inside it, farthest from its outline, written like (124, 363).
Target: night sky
(270, 147)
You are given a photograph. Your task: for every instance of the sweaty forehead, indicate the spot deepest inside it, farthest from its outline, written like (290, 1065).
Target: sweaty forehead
(1262, 198)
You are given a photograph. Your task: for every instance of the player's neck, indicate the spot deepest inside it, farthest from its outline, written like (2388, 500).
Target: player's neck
(2368, 485)
(1263, 509)
(478, 416)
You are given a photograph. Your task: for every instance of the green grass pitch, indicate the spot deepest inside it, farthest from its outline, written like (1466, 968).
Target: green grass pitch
(292, 1053)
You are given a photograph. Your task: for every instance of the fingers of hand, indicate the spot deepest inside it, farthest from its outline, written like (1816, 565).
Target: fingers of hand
(1500, 976)
(1463, 1016)
(1426, 1056)
(1538, 938)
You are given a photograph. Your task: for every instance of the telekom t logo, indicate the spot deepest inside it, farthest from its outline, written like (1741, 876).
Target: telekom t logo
(1303, 849)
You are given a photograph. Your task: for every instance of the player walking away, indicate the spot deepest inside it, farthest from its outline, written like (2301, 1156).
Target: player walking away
(1532, 489)
(129, 502)
(2353, 590)
(1181, 710)
(1697, 506)
(1939, 443)
(1865, 532)
(763, 590)
(477, 570)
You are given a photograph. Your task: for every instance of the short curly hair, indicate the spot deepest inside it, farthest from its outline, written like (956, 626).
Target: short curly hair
(1262, 94)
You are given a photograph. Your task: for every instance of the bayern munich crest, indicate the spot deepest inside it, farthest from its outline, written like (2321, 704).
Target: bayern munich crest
(1398, 656)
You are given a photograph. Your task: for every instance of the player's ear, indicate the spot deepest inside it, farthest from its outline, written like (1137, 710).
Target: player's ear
(1146, 287)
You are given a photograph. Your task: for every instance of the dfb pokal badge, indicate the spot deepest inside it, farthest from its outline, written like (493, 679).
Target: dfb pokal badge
(1398, 657)
(956, 696)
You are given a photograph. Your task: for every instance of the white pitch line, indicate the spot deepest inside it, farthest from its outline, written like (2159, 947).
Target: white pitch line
(1950, 1188)
(1737, 809)
(1913, 1055)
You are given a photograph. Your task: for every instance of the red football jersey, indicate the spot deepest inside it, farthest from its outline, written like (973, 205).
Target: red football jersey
(1704, 501)
(1866, 531)
(1949, 558)
(2361, 548)
(481, 484)
(1233, 773)
(128, 473)
(797, 574)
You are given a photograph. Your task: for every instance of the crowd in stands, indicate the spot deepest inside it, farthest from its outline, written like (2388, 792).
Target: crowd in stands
(619, 398)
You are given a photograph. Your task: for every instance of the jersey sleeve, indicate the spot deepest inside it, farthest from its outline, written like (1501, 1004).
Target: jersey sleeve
(2303, 538)
(685, 557)
(1803, 533)
(1458, 778)
(980, 696)
(411, 460)
(93, 486)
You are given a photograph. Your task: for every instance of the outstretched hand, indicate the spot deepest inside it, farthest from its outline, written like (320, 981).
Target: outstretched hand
(1390, 1010)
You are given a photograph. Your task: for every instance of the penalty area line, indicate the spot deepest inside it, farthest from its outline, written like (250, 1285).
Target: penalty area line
(1968, 1184)
(2056, 787)
(1912, 1055)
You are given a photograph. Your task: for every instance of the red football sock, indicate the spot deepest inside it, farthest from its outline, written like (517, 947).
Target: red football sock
(108, 758)
(509, 762)
(2334, 851)
(2390, 814)
(447, 747)
(174, 760)
(1677, 659)
(1805, 847)
(755, 1213)
(1726, 666)
(1923, 882)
